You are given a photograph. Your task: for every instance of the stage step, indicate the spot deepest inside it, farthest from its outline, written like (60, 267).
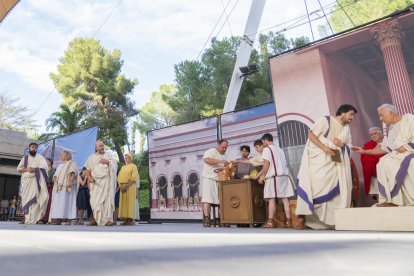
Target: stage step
(375, 218)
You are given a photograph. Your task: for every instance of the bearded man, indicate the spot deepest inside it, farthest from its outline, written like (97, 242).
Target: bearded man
(324, 178)
(101, 172)
(33, 168)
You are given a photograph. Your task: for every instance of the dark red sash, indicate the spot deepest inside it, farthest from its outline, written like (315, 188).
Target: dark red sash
(274, 166)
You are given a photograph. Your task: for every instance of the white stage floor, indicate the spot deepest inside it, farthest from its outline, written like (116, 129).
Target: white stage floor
(190, 249)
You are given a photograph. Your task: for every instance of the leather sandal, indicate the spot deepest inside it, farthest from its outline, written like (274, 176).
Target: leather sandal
(268, 224)
(288, 223)
(92, 223)
(206, 221)
(109, 223)
(386, 204)
(301, 223)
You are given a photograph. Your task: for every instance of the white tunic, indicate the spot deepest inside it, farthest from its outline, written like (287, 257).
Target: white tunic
(63, 204)
(395, 171)
(323, 184)
(34, 194)
(103, 190)
(209, 184)
(283, 186)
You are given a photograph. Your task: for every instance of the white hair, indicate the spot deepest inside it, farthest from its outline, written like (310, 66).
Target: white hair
(374, 128)
(388, 107)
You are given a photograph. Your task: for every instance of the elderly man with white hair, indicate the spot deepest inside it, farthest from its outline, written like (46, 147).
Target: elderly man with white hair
(395, 171)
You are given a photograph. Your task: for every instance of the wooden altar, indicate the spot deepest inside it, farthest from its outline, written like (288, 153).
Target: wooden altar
(241, 202)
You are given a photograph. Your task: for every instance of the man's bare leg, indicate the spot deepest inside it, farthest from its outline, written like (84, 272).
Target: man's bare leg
(272, 208)
(271, 213)
(288, 213)
(206, 214)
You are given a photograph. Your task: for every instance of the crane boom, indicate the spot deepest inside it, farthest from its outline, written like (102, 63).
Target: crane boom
(243, 56)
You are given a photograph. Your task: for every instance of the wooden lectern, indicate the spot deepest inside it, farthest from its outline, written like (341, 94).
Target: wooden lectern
(241, 202)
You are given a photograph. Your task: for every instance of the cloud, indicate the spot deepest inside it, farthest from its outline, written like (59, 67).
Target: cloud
(152, 35)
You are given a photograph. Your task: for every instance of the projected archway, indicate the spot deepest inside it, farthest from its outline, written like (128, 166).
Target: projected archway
(193, 181)
(162, 185)
(177, 183)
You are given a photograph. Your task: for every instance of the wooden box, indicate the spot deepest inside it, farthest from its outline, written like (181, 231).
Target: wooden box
(241, 202)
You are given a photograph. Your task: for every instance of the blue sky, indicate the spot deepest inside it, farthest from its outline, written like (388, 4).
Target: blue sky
(152, 35)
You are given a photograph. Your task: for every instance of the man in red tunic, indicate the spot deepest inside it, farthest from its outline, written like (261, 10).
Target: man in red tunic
(369, 162)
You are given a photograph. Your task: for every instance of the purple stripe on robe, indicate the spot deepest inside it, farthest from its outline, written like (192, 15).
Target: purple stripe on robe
(26, 161)
(411, 145)
(329, 126)
(329, 196)
(25, 208)
(302, 194)
(37, 174)
(389, 149)
(348, 150)
(381, 189)
(44, 173)
(402, 172)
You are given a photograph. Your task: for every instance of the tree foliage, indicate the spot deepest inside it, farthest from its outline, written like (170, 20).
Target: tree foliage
(363, 11)
(154, 114)
(89, 76)
(14, 116)
(202, 85)
(67, 120)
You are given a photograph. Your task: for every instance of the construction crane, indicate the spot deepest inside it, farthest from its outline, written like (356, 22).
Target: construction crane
(241, 68)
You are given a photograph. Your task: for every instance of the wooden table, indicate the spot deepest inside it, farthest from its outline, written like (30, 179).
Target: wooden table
(241, 202)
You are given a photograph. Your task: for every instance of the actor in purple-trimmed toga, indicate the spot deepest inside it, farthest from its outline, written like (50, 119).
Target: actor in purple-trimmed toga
(395, 171)
(33, 168)
(324, 179)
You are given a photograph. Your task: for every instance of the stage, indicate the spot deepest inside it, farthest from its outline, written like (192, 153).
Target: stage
(190, 249)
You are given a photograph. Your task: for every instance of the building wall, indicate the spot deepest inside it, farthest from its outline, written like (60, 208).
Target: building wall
(12, 146)
(347, 83)
(179, 150)
(299, 87)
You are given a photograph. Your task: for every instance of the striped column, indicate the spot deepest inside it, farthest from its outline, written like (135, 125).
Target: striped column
(389, 35)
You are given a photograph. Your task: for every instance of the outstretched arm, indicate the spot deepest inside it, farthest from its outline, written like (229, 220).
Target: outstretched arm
(375, 151)
(212, 161)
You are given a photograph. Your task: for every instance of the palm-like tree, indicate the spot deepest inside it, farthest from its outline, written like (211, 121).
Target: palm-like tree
(67, 120)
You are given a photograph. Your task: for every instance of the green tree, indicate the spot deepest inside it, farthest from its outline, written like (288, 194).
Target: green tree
(14, 116)
(67, 120)
(190, 98)
(154, 114)
(202, 85)
(277, 43)
(90, 76)
(363, 11)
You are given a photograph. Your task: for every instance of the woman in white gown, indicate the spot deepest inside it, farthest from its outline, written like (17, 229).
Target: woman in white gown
(64, 193)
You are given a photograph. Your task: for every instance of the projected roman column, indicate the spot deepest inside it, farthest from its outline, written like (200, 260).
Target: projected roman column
(389, 35)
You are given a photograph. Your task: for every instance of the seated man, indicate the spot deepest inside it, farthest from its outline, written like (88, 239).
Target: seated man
(395, 171)
(369, 163)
